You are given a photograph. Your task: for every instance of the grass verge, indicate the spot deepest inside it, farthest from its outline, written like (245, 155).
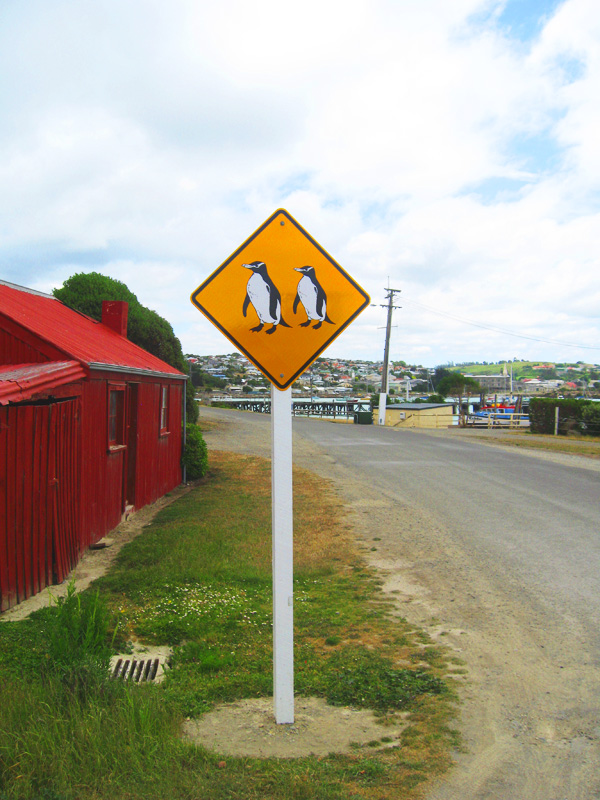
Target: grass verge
(199, 579)
(588, 446)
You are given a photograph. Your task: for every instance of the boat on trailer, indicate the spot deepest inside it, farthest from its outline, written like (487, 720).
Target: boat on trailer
(492, 414)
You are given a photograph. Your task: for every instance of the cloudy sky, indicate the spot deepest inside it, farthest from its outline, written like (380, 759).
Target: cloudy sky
(447, 148)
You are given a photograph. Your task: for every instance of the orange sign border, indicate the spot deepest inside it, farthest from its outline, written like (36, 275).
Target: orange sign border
(271, 378)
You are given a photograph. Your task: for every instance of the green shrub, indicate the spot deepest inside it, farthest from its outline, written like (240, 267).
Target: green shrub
(195, 454)
(591, 419)
(78, 644)
(191, 406)
(570, 415)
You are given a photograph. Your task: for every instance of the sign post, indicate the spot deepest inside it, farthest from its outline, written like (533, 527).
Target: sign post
(283, 554)
(281, 299)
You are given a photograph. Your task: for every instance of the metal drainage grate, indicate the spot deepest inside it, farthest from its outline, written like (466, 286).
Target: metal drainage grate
(136, 670)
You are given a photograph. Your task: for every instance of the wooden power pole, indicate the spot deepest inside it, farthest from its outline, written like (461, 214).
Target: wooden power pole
(386, 353)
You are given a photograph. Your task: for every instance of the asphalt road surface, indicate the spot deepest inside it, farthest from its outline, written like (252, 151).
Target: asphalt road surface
(496, 552)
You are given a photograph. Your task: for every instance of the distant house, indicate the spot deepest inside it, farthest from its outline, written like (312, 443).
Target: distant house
(90, 429)
(533, 386)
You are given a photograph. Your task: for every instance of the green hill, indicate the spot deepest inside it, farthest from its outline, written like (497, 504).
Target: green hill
(531, 369)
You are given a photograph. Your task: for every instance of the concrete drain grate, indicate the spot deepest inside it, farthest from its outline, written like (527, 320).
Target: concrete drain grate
(136, 670)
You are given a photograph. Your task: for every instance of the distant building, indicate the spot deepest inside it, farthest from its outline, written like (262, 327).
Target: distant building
(418, 415)
(530, 386)
(492, 383)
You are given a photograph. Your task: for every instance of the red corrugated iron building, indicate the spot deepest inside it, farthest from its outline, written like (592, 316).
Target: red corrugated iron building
(90, 428)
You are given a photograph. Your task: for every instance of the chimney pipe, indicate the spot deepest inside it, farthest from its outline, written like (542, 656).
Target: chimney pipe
(114, 314)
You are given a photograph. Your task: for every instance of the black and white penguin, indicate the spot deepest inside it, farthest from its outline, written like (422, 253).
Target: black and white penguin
(310, 293)
(264, 296)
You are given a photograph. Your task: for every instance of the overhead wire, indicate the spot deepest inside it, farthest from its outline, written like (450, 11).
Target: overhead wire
(505, 331)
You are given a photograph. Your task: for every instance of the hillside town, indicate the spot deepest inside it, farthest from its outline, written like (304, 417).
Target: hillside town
(233, 374)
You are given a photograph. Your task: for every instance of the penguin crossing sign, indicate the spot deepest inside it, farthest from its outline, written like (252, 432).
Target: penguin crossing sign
(281, 299)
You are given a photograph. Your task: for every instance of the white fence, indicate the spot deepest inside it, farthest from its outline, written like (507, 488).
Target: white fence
(496, 419)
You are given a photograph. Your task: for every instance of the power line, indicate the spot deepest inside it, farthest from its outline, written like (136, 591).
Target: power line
(493, 328)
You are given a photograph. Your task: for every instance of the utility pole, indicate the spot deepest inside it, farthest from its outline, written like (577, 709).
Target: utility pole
(386, 353)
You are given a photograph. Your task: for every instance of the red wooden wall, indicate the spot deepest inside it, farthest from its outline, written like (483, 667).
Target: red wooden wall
(19, 346)
(101, 471)
(39, 524)
(158, 462)
(64, 439)
(153, 461)
(62, 488)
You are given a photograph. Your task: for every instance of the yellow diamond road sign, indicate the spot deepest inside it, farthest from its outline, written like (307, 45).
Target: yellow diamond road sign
(280, 299)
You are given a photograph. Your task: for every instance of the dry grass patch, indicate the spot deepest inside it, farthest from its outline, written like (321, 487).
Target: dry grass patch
(588, 446)
(321, 533)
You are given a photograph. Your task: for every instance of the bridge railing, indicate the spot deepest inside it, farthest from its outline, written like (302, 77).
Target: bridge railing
(330, 409)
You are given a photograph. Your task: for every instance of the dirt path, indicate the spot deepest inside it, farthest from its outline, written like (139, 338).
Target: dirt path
(529, 715)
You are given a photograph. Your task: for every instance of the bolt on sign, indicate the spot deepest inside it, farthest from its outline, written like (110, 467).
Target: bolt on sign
(281, 299)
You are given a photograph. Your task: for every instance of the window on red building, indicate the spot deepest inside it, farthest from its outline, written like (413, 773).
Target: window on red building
(164, 409)
(116, 416)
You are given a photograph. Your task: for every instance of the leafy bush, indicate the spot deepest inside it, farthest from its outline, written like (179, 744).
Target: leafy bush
(78, 643)
(195, 454)
(191, 406)
(570, 415)
(591, 419)
(456, 383)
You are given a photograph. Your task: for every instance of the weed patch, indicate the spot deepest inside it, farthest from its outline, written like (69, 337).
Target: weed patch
(194, 611)
(77, 627)
(363, 678)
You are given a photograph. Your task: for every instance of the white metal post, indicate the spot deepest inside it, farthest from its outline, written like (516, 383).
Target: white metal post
(382, 408)
(283, 552)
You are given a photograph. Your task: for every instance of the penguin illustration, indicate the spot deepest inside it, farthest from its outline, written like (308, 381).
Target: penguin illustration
(310, 293)
(264, 296)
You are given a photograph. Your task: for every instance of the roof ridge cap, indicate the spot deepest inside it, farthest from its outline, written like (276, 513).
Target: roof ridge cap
(26, 289)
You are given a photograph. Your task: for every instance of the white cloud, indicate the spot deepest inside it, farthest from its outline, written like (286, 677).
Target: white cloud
(416, 142)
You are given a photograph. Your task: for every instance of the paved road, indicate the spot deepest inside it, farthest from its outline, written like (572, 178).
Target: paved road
(497, 553)
(538, 520)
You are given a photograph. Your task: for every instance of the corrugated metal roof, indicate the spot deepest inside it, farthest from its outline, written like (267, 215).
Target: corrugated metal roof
(23, 381)
(78, 336)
